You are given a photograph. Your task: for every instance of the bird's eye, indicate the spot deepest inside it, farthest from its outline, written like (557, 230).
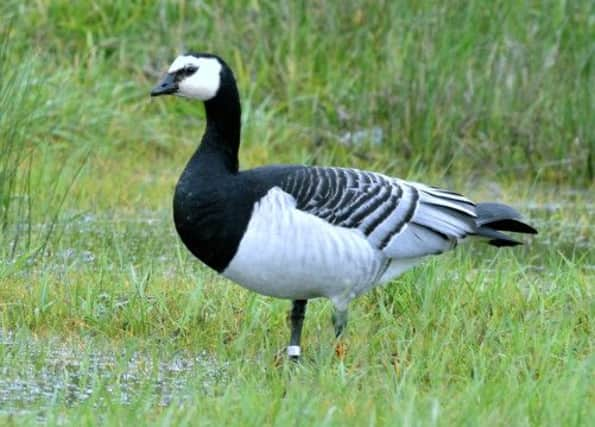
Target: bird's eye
(188, 70)
(184, 72)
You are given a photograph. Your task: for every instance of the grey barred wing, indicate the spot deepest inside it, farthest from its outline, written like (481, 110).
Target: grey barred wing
(402, 219)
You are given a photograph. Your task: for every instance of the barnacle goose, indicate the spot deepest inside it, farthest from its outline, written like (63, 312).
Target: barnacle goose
(300, 232)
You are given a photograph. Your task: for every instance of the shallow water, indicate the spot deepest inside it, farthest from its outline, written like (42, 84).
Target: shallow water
(38, 374)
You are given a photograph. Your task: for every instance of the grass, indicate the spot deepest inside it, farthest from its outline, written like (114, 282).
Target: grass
(105, 318)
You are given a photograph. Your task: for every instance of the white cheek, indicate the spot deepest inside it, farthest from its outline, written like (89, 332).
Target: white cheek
(202, 85)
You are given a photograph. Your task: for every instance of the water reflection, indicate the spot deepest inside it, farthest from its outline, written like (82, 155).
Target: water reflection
(37, 374)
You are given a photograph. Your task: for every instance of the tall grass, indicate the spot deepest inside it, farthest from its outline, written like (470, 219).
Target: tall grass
(489, 98)
(493, 86)
(35, 176)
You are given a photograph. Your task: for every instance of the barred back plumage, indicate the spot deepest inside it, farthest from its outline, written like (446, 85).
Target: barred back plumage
(397, 217)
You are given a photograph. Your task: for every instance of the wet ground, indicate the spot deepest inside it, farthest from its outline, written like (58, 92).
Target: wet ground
(39, 373)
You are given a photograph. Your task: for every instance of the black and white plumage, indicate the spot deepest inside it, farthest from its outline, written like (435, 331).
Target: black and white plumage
(299, 232)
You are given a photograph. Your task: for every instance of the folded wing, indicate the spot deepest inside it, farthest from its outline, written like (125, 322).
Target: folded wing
(402, 219)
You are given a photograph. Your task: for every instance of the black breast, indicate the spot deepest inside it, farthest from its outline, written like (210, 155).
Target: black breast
(209, 219)
(212, 212)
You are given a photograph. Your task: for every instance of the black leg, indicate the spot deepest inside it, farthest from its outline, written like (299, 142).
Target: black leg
(339, 321)
(298, 312)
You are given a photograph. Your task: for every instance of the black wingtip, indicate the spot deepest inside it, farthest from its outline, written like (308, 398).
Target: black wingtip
(501, 243)
(496, 237)
(513, 225)
(501, 217)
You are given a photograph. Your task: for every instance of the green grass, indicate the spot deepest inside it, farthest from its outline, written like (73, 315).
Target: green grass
(106, 319)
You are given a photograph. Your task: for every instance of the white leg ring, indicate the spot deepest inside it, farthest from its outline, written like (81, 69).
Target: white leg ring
(294, 351)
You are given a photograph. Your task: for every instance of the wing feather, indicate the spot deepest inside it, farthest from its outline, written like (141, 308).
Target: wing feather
(402, 219)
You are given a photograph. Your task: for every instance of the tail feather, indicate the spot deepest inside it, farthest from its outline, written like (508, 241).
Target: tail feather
(492, 218)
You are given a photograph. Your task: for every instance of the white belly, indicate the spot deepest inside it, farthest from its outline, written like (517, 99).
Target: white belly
(287, 253)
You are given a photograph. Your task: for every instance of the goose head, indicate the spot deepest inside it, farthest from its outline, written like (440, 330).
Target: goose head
(193, 75)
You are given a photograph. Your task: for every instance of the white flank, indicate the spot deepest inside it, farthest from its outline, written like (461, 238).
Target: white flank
(204, 83)
(288, 253)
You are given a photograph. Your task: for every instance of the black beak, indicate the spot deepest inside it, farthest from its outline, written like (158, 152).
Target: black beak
(167, 86)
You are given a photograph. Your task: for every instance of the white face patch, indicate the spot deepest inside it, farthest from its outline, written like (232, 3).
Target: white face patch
(204, 83)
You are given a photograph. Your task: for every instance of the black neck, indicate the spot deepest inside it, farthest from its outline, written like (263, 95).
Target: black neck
(218, 151)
